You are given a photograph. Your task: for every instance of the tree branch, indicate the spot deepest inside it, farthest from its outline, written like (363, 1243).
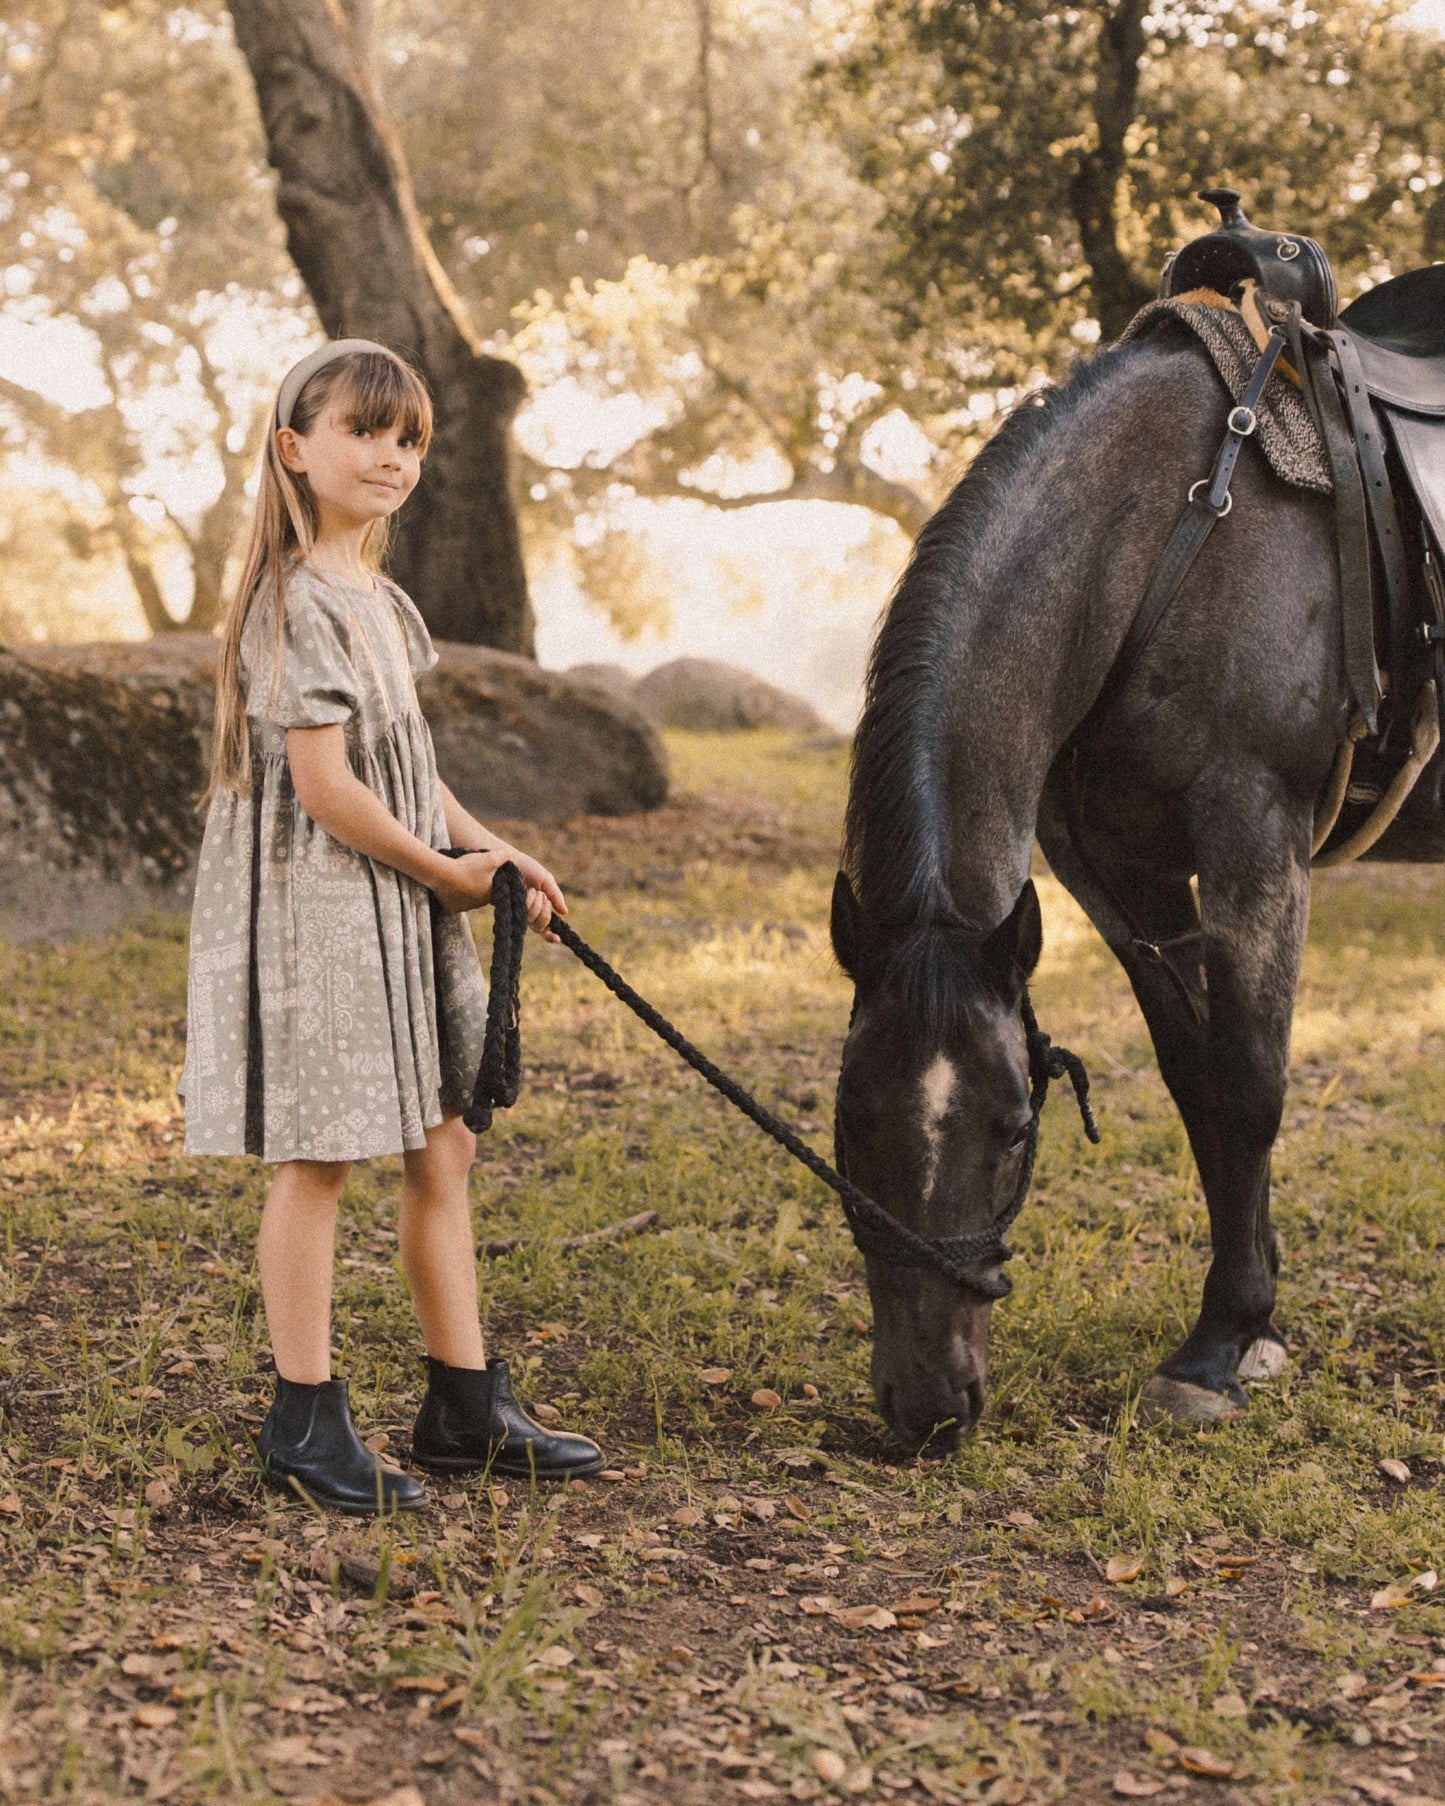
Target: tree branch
(850, 481)
(1094, 187)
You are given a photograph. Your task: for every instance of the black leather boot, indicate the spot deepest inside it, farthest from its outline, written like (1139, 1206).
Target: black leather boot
(470, 1420)
(309, 1441)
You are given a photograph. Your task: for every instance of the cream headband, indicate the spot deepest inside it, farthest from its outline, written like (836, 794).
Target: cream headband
(297, 377)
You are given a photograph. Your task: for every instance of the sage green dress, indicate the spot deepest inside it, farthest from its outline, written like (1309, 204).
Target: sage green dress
(334, 1010)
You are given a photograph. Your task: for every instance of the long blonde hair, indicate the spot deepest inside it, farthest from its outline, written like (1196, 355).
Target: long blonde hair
(378, 389)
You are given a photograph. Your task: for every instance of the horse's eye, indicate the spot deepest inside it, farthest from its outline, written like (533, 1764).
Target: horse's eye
(1020, 1136)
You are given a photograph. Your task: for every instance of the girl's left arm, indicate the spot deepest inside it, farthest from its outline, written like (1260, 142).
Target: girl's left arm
(544, 894)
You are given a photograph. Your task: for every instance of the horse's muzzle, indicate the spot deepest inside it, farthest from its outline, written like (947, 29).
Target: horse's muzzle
(929, 1405)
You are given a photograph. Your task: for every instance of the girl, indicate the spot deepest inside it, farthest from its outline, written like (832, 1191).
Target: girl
(336, 1007)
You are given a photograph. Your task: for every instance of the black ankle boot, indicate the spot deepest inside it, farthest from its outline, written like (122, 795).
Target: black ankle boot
(308, 1442)
(470, 1420)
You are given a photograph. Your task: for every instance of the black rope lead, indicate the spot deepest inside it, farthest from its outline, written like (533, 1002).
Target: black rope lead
(874, 1229)
(499, 1077)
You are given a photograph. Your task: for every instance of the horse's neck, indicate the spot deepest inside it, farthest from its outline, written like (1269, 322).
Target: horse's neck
(1027, 615)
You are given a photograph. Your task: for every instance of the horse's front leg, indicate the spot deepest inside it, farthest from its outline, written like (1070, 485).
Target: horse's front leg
(1254, 902)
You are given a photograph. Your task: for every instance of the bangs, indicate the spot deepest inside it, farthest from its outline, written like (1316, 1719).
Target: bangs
(377, 392)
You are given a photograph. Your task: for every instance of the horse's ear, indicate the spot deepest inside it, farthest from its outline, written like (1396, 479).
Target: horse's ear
(844, 925)
(1012, 950)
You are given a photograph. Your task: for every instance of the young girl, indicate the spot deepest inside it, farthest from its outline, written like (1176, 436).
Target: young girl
(336, 1007)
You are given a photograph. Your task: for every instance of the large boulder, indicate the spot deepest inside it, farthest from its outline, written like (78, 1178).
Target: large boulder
(104, 753)
(709, 696)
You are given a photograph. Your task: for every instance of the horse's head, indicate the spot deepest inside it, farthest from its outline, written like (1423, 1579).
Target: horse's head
(933, 1123)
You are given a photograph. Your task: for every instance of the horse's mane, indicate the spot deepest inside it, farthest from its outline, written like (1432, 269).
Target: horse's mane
(896, 847)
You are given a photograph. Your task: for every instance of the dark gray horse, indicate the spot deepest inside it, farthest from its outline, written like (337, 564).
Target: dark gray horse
(990, 719)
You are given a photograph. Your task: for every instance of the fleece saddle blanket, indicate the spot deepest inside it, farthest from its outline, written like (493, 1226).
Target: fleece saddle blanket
(1287, 435)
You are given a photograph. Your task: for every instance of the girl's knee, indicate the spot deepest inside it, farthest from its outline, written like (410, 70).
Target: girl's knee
(458, 1139)
(312, 1181)
(450, 1147)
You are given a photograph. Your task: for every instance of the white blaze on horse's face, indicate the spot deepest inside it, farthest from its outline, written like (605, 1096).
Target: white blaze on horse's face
(938, 1085)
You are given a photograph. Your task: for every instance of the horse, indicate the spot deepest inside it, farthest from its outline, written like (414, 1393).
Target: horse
(994, 716)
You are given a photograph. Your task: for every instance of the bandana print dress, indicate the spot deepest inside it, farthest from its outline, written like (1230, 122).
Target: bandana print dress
(334, 1011)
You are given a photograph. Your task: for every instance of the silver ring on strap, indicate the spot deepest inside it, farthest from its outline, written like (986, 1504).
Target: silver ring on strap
(1218, 513)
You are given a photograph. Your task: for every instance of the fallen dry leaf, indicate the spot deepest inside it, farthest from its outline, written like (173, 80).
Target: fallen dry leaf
(588, 1595)
(795, 1507)
(1130, 1787)
(1160, 1743)
(764, 1510)
(556, 1655)
(818, 1605)
(1022, 1520)
(293, 1752)
(829, 1767)
(546, 1413)
(158, 1492)
(405, 1683)
(155, 1718)
(1351, 1685)
(918, 1605)
(1426, 1582)
(865, 1617)
(10, 1506)
(1175, 1586)
(1197, 1761)
(1395, 1470)
(689, 1516)
(612, 1475)
(715, 1376)
(1229, 1705)
(766, 1399)
(1121, 1568)
(860, 1781)
(1387, 1598)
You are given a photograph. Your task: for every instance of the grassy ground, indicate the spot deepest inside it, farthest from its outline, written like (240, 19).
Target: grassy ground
(763, 1601)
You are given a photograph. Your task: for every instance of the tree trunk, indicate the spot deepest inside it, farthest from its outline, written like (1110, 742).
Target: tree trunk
(355, 235)
(1094, 189)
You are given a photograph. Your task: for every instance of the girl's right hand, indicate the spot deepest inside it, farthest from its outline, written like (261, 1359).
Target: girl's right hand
(466, 883)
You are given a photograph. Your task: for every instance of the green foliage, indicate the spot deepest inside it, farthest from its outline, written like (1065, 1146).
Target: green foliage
(976, 126)
(135, 211)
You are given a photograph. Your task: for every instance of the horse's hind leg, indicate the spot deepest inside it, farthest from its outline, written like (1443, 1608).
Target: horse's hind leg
(1222, 1052)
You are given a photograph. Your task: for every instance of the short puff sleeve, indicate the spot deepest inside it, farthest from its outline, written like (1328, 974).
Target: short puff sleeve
(421, 654)
(315, 684)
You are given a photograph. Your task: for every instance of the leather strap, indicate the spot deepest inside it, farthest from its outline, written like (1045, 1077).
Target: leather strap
(1369, 443)
(1310, 350)
(1201, 514)
(1249, 311)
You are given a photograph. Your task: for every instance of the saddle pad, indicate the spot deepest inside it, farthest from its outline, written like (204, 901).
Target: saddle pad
(1287, 435)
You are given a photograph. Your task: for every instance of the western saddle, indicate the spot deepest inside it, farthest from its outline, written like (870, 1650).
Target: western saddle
(1373, 376)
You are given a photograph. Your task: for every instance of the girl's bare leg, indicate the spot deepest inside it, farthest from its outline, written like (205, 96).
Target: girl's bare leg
(295, 1252)
(435, 1234)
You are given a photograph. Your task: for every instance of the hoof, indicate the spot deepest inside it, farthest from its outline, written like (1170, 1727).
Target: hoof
(1176, 1401)
(1264, 1359)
